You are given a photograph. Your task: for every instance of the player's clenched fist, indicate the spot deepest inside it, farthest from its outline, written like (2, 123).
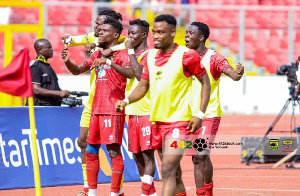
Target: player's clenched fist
(240, 69)
(120, 105)
(64, 54)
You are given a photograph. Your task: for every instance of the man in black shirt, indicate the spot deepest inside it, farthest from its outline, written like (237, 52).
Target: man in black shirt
(44, 80)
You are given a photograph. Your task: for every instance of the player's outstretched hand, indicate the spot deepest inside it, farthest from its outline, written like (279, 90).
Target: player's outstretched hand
(90, 48)
(120, 105)
(240, 69)
(194, 124)
(107, 52)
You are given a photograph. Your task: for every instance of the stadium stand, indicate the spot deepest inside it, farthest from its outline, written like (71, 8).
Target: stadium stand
(265, 34)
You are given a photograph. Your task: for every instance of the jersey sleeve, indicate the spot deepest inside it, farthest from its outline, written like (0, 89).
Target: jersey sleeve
(82, 40)
(191, 64)
(36, 74)
(220, 62)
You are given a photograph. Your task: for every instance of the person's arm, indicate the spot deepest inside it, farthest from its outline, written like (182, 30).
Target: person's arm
(192, 64)
(37, 77)
(80, 40)
(237, 74)
(136, 67)
(38, 90)
(138, 93)
(205, 92)
(72, 67)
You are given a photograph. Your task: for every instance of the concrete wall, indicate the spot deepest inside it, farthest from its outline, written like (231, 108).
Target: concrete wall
(251, 95)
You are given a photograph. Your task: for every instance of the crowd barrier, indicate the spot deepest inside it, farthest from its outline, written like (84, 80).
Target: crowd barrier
(57, 130)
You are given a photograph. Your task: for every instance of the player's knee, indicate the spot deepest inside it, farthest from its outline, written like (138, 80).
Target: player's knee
(200, 159)
(114, 150)
(167, 170)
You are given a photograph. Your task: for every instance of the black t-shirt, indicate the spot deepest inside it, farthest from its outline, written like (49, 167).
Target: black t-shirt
(42, 73)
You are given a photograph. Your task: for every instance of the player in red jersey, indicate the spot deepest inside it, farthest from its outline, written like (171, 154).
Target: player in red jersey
(106, 126)
(139, 133)
(215, 64)
(167, 73)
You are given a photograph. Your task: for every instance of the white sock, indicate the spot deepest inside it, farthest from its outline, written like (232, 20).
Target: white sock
(147, 179)
(154, 194)
(92, 192)
(142, 178)
(114, 194)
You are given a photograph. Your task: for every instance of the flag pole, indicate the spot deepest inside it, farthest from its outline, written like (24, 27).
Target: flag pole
(36, 170)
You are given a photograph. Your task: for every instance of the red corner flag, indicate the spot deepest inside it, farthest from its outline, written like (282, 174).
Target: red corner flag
(15, 79)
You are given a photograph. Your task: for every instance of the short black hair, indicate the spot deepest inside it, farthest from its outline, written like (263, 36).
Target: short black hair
(115, 23)
(141, 23)
(203, 28)
(111, 13)
(166, 17)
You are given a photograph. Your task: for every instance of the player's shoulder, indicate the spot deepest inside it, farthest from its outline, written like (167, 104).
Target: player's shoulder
(218, 56)
(189, 52)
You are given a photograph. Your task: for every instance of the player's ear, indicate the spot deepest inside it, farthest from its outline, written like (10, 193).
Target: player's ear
(144, 35)
(116, 35)
(173, 31)
(201, 38)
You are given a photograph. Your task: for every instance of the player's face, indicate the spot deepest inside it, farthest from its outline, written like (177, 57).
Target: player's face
(163, 34)
(98, 22)
(107, 35)
(135, 33)
(46, 49)
(192, 37)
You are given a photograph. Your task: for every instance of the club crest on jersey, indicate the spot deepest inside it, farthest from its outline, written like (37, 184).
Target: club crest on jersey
(101, 70)
(158, 75)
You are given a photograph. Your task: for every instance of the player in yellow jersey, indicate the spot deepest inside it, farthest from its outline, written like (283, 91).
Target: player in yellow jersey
(139, 126)
(167, 73)
(215, 64)
(90, 41)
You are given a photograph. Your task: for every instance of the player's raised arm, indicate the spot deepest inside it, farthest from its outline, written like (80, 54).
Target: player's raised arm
(237, 74)
(72, 67)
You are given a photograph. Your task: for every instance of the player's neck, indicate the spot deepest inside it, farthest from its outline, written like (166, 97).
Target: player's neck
(168, 49)
(108, 45)
(141, 47)
(201, 49)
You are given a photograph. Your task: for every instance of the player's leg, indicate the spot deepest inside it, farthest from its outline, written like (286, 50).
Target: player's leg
(203, 167)
(149, 171)
(92, 157)
(180, 189)
(92, 168)
(111, 131)
(170, 164)
(145, 145)
(84, 127)
(114, 151)
(82, 144)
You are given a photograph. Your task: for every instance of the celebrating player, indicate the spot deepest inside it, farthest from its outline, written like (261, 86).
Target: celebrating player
(215, 64)
(106, 126)
(90, 40)
(168, 71)
(139, 112)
